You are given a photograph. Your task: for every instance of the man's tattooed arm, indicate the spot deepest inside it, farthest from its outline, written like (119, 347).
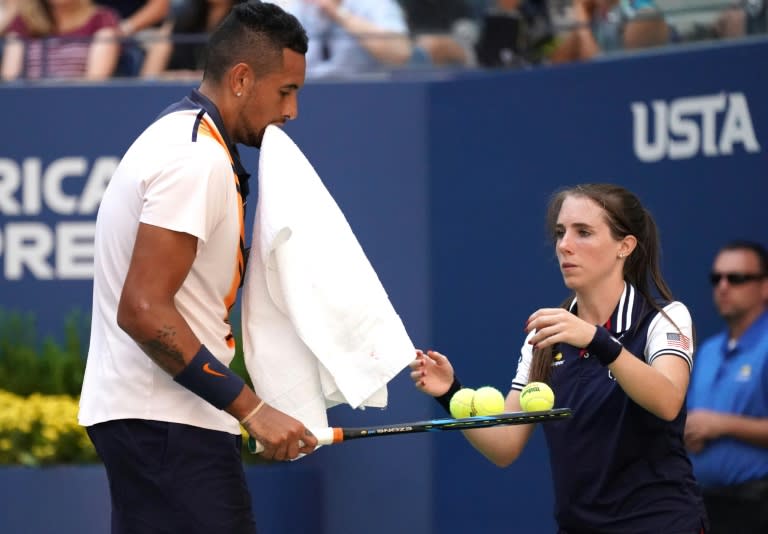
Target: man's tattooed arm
(164, 351)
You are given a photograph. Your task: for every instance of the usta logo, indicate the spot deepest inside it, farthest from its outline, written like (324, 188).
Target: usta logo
(685, 127)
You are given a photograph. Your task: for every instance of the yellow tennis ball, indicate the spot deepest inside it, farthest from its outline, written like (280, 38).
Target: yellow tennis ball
(537, 397)
(488, 401)
(461, 403)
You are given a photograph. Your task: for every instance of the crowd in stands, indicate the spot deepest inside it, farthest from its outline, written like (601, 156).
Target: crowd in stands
(100, 39)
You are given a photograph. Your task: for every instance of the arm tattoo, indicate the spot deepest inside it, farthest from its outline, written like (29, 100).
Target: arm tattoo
(164, 352)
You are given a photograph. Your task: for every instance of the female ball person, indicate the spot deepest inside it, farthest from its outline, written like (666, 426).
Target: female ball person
(619, 353)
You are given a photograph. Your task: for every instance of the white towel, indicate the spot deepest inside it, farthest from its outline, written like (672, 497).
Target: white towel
(318, 327)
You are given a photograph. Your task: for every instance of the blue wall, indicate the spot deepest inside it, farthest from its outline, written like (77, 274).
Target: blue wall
(75, 500)
(445, 183)
(499, 146)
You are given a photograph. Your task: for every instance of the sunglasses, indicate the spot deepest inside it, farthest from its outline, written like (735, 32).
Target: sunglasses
(734, 279)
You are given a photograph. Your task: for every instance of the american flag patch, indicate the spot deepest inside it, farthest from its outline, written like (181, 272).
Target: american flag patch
(679, 340)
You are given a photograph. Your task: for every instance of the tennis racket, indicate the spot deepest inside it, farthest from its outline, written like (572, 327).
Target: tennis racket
(331, 435)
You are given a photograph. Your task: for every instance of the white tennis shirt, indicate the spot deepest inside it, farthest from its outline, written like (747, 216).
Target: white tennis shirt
(178, 175)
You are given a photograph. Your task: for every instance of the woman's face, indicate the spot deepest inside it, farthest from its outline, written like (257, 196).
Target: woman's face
(586, 251)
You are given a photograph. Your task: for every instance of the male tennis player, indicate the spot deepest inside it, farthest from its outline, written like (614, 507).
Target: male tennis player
(158, 400)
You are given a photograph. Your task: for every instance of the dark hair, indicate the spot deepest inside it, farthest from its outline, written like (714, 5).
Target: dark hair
(625, 215)
(752, 246)
(254, 33)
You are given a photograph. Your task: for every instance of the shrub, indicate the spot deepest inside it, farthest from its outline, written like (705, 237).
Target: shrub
(40, 389)
(28, 365)
(41, 430)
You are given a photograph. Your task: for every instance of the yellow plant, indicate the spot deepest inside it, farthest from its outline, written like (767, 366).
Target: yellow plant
(42, 429)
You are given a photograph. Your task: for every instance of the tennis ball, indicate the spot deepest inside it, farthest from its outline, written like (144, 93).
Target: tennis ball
(488, 401)
(537, 397)
(461, 403)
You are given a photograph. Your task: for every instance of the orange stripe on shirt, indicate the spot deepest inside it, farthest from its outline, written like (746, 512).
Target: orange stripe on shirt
(207, 129)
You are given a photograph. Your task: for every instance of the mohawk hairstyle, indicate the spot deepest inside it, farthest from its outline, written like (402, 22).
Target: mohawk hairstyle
(254, 33)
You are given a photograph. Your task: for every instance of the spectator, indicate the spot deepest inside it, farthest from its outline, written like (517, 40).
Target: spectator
(142, 17)
(514, 33)
(444, 31)
(181, 51)
(727, 428)
(69, 39)
(611, 25)
(434, 15)
(8, 9)
(743, 18)
(348, 37)
(138, 15)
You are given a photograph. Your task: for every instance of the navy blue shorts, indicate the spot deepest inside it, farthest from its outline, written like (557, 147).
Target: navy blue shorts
(170, 478)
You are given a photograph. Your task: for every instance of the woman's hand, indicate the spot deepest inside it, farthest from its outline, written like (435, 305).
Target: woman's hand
(557, 325)
(431, 373)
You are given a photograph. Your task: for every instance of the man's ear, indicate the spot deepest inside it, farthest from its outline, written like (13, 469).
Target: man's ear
(240, 79)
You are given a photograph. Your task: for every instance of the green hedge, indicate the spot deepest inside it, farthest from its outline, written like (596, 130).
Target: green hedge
(40, 383)
(29, 365)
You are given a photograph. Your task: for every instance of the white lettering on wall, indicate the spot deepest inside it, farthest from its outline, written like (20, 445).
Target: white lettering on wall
(25, 189)
(55, 248)
(64, 252)
(74, 250)
(687, 127)
(28, 245)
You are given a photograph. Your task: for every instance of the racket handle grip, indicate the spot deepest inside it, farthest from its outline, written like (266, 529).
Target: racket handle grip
(325, 436)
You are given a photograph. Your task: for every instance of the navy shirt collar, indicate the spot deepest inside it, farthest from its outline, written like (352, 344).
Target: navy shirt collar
(197, 100)
(629, 310)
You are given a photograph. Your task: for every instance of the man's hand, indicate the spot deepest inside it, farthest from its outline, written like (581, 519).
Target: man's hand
(282, 436)
(701, 426)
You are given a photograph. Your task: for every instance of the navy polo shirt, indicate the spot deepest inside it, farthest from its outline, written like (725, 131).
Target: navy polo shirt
(732, 380)
(616, 467)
